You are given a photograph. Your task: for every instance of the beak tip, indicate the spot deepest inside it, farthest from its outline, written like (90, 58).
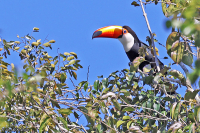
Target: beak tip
(96, 34)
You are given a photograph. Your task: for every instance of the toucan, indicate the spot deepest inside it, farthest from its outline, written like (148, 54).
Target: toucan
(130, 42)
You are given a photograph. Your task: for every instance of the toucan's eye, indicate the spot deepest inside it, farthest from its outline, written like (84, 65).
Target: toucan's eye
(124, 31)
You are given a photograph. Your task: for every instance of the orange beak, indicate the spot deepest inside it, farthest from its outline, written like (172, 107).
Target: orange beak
(109, 32)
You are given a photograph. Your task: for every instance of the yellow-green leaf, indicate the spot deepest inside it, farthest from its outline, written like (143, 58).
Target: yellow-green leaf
(35, 28)
(47, 44)
(74, 75)
(52, 41)
(38, 40)
(120, 122)
(16, 48)
(172, 109)
(74, 54)
(12, 65)
(52, 65)
(3, 66)
(35, 43)
(18, 42)
(65, 111)
(126, 117)
(66, 53)
(72, 62)
(43, 123)
(70, 58)
(173, 37)
(23, 51)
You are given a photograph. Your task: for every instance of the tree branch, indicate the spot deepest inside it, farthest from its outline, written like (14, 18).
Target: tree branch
(152, 39)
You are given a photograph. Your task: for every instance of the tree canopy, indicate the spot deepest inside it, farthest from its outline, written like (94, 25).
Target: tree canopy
(128, 100)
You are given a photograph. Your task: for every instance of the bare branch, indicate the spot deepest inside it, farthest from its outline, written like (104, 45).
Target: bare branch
(152, 39)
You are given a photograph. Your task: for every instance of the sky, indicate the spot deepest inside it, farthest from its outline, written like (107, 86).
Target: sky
(72, 23)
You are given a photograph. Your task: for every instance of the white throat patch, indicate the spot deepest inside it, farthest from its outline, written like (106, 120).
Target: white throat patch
(128, 41)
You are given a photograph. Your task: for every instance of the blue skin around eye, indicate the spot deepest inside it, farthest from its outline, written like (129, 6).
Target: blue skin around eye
(124, 31)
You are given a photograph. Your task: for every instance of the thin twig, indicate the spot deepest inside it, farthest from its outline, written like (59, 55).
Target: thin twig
(47, 113)
(169, 3)
(129, 105)
(88, 73)
(152, 40)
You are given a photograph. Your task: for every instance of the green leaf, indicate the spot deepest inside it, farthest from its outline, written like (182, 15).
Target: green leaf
(63, 77)
(74, 54)
(149, 103)
(100, 76)
(125, 92)
(174, 47)
(82, 83)
(105, 82)
(177, 110)
(197, 39)
(96, 85)
(168, 99)
(187, 55)
(76, 115)
(105, 90)
(54, 103)
(125, 99)
(197, 64)
(43, 123)
(128, 109)
(74, 75)
(191, 95)
(119, 123)
(177, 74)
(148, 80)
(116, 104)
(172, 109)
(55, 58)
(194, 76)
(192, 128)
(86, 86)
(191, 116)
(128, 124)
(126, 118)
(4, 122)
(156, 106)
(197, 112)
(65, 111)
(168, 24)
(99, 128)
(103, 109)
(135, 64)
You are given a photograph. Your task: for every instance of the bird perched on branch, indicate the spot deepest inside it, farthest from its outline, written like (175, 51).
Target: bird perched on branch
(131, 43)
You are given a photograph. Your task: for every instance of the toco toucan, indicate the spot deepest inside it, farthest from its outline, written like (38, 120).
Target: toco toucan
(130, 42)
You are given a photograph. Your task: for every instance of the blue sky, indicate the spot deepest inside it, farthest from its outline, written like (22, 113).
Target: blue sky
(72, 23)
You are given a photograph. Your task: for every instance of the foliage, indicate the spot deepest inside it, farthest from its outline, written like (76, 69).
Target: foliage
(39, 99)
